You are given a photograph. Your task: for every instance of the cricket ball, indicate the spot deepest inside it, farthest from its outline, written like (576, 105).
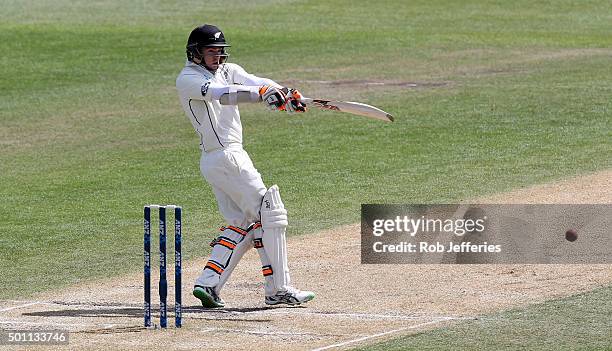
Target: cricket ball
(571, 235)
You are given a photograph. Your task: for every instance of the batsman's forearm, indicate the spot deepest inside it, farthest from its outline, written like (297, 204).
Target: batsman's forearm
(233, 94)
(241, 97)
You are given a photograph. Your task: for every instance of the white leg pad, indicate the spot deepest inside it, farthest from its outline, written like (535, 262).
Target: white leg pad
(273, 254)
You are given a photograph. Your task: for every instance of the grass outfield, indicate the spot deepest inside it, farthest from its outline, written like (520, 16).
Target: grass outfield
(580, 322)
(509, 94)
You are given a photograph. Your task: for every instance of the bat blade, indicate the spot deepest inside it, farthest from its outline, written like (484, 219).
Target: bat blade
(356, 108)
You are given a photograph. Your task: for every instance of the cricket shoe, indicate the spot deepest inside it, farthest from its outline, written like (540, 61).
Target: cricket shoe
(291, 296)
(208, 296)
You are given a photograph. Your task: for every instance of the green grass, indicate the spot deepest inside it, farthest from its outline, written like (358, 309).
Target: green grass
(580, 322)
(91, 128)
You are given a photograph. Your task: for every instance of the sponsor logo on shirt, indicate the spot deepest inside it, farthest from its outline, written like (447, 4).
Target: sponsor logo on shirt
(205, 88)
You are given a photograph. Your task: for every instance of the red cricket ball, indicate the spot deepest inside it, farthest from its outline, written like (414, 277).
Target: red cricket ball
(571, 235)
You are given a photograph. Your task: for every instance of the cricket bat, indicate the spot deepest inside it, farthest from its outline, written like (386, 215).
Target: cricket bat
(356, 108)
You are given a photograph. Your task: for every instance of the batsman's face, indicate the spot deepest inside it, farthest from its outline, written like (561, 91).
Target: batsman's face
(212, 57)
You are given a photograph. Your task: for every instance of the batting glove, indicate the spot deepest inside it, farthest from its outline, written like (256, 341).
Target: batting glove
(294, 101)
(273, 97)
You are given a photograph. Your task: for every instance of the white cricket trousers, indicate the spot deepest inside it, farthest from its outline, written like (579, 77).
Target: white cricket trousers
(236, 183)
(239, 191)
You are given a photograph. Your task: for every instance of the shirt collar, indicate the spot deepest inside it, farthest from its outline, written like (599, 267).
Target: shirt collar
(198, 67)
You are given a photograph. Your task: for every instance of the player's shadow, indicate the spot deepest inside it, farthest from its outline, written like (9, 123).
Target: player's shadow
(135, 312)
(88, 312)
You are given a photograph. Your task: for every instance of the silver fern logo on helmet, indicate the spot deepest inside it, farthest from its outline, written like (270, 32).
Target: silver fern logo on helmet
(217, 35)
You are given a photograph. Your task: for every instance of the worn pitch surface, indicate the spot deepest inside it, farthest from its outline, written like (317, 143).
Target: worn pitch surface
(355, 303)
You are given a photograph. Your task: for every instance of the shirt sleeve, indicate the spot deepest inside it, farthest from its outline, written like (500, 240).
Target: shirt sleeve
(193, 86)
(198, 88)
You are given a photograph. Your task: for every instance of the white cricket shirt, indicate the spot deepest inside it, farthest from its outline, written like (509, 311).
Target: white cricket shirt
(199, 90)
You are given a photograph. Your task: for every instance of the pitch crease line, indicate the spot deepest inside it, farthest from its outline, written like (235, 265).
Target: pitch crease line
(257, 332)
(363, 315)
(57, 324)
(20, 306)
(377, 335)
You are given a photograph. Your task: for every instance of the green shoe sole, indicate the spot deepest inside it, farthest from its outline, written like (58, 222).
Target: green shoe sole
(207, 300)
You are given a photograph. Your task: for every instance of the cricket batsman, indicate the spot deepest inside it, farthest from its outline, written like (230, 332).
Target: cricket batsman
(210, 90)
